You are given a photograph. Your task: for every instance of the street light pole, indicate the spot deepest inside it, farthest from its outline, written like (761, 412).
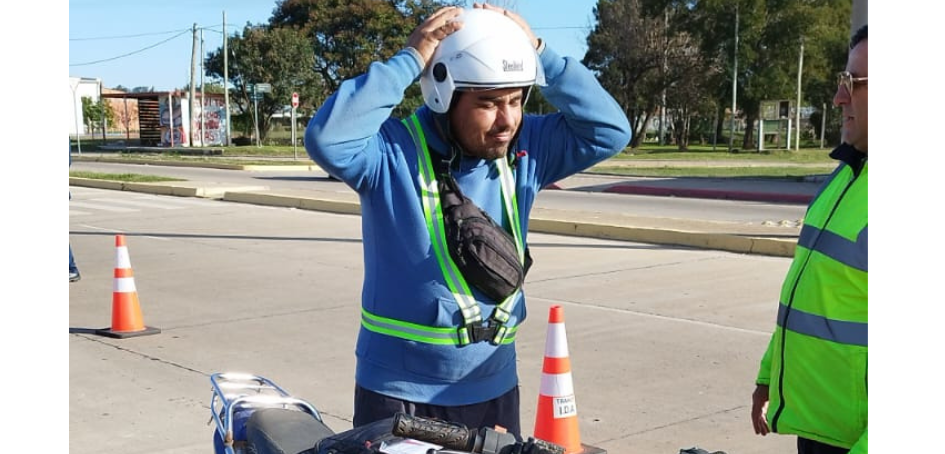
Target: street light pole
(731, 137)
(797, 108)
(75, 113)
(256, 116)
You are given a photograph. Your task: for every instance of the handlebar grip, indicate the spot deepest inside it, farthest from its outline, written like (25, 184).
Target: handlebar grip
(446, 434)
(546, 447)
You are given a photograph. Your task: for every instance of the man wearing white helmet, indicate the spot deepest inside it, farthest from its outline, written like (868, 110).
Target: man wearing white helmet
(437, 337)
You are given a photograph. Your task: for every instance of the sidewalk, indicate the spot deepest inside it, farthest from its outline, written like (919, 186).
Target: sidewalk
(774, 240)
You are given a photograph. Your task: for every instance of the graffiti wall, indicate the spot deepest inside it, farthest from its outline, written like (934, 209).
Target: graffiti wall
(173, 121)
(209, 126)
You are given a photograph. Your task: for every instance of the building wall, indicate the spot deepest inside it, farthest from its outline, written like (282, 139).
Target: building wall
(126, 112)
(80, 87)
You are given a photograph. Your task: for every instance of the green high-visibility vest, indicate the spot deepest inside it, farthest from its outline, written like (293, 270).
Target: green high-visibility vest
(498, 331)
(817, 360)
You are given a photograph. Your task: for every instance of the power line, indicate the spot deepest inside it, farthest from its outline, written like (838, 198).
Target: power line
(127, 36)
(131, 53)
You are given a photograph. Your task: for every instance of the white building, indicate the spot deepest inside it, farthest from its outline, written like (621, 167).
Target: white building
(80, 87)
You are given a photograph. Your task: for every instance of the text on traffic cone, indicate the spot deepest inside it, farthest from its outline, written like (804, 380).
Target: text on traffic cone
(556, 419)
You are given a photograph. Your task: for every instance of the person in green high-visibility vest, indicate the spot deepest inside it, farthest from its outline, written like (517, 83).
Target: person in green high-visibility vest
(812, 381)
(435, 340)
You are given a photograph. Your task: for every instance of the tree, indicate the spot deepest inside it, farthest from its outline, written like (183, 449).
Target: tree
(624, 50)
(281, 57)
(769, 36)
(97, 114)
(347, 36)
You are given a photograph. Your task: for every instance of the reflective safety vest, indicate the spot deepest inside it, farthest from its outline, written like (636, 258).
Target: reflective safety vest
(816, 364)
(495, 330)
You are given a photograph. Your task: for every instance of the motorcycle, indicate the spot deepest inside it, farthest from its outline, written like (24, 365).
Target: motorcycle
(253, 415)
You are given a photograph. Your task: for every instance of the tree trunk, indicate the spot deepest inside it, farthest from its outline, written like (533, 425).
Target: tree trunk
(747, 142)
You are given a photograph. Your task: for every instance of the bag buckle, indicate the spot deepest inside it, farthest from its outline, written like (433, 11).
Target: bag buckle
(478, 333)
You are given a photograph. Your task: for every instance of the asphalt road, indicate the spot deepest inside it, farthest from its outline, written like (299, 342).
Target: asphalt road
(583, 192)
(664, 341)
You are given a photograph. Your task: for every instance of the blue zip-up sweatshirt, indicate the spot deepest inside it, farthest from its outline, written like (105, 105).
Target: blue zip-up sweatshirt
(354, 138)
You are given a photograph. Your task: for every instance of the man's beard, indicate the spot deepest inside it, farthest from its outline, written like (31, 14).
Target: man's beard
(488, 153)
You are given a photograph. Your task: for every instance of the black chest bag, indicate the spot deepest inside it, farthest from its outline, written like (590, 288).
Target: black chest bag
(483, 251)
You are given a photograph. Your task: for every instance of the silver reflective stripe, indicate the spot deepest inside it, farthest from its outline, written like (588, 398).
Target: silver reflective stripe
(844, 332)
(850, 253)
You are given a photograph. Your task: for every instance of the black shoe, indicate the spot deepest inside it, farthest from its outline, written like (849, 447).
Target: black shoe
(74, 276)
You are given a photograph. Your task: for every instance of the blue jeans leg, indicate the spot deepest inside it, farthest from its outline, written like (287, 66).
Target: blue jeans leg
(72, 267)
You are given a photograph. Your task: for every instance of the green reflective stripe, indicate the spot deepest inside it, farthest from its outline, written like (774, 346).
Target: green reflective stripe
(504, 311)
(511, 205)
(425, 334)
(407, 330)
(433, 215)
(501, 334)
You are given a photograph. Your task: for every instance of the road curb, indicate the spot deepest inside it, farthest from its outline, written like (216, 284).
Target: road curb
(710, 194)
(739, 243)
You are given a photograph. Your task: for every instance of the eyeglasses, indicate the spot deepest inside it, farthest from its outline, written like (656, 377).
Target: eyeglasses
(847, 81)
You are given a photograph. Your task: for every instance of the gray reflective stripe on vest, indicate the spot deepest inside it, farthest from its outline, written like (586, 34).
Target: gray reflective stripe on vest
(849, 253)
(840, 331)
(421, 333)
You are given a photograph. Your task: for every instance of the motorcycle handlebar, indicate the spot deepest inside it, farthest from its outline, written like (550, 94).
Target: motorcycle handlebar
(449, 435)
(453, 436)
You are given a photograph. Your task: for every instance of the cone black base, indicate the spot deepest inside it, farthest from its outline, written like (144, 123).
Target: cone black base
(148, 330)
(585, 449)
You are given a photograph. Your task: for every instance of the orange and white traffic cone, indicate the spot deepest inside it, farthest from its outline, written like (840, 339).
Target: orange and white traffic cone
(127, 320)
(556, 420)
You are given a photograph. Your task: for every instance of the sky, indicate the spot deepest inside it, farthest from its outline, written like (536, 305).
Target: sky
(148, 43)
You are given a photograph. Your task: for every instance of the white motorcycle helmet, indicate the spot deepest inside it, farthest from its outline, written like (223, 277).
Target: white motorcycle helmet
(489, 51)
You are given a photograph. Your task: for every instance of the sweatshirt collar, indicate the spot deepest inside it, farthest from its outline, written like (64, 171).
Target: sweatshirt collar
(849, 155)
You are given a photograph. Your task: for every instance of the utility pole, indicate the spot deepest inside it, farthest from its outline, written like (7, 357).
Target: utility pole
(797, 108)
(663, 94)
(226, 85)
(193, 89)
(731, 137)
(203, 93)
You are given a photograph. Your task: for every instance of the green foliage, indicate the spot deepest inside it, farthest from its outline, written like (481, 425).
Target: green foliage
(281, 57)
(346, 36)
(769, 37)
(96, 113)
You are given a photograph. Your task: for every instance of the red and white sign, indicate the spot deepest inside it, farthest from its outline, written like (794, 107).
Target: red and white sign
(295, 100)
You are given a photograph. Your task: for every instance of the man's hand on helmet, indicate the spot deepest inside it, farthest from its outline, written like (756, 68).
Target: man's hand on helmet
(438, 26)
(515, 17)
